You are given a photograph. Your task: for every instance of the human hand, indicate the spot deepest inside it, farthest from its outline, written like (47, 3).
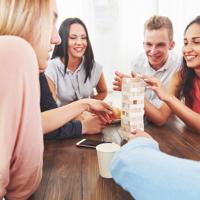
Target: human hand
(134, 75)
(101, 109)
(97, 106)
(92, 124)
(157, 87)
(117, 84)
(138, 133)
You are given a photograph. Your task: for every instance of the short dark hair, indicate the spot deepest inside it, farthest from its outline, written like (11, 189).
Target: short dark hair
(61, 50)
(157, 22)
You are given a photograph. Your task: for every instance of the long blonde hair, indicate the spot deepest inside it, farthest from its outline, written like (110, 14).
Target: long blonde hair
(31, 20)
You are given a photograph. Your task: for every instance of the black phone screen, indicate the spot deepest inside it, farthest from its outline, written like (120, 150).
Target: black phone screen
(88, 143)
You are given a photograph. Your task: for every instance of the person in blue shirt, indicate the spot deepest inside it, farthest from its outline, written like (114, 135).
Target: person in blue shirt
(147, 173)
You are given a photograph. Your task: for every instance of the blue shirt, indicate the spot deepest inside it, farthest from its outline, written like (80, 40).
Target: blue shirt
(149, 174)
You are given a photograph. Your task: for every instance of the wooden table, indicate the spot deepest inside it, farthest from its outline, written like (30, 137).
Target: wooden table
(71, 173)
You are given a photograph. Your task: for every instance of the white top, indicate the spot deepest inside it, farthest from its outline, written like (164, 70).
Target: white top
(70, 86)
(164, 74)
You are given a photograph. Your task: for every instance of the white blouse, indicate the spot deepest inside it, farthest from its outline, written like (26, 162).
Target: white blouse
(70, 86)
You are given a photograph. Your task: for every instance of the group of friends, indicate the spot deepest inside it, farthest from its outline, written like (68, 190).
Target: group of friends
(69, 101)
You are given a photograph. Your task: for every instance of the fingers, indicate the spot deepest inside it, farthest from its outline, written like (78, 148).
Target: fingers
(151, 81)
(117, 81)
(133, 74)
(106, 108)
(119, 74)
(105, 118)
(138, 133)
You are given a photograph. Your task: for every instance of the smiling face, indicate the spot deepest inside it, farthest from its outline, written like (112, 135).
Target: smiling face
(77, 41)
(157, 45)
(191, 49)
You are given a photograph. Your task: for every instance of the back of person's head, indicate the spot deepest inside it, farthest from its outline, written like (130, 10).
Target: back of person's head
(30, 20)
(157, 22)
(61, 50)
(188, 74)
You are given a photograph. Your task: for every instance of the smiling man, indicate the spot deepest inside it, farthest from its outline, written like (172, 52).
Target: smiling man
(157, 59)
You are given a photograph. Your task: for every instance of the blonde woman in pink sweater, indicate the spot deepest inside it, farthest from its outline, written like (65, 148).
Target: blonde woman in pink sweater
(26, 29)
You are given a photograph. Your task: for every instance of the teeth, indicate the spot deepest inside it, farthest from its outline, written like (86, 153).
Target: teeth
(78, 49)
(190, 57)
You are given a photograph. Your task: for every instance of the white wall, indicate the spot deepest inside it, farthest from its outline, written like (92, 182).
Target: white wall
(116, 26)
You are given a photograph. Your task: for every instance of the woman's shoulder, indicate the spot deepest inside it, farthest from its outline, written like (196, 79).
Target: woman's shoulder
(16, 49)
(177, 78)
(15, 43)
(54, 64)
(98, 65)
(97, 68)
(175, 83)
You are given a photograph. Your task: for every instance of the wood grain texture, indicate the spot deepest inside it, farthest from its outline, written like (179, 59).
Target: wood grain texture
(71, 173)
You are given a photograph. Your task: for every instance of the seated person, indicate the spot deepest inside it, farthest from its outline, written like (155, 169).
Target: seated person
(168, 177)
(185, 85)
(158, 59)
(58, 123)
(23, 51)
(147, 173)
(73, 73)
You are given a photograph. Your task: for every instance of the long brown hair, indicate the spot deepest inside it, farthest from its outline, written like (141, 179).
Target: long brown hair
(188, 75)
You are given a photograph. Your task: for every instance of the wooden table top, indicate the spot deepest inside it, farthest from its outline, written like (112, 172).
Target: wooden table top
(71, 173)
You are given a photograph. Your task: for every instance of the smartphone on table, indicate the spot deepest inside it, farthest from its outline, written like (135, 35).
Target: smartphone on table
(89, 143)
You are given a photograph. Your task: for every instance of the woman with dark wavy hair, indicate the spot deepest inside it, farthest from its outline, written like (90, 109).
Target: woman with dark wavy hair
(73, 73)
(185, 85)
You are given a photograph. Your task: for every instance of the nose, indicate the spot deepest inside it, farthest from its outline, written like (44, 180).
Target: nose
(187, 48)
(153, 50)
(78, 40)
(55, 38)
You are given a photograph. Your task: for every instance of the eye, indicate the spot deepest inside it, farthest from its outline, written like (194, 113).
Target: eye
(147, 44)
(161, 45)
(84, 37)
(72, 37)
(185, 42)
(196, 42)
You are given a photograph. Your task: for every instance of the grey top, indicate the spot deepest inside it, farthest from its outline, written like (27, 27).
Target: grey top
(164, 74)
(70, 86)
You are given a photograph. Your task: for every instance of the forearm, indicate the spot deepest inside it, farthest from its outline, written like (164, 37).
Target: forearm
(155, 114)
(71, 129)
(190, 117)
(55, 118)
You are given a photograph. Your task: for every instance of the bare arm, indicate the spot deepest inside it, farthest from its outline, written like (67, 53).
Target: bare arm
(55, 118)
(190, 117)
(171, 104)
(52, 87)
(101, 88)
(160, 115)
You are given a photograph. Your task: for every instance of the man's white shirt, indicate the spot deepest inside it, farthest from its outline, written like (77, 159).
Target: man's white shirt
(141, 65)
